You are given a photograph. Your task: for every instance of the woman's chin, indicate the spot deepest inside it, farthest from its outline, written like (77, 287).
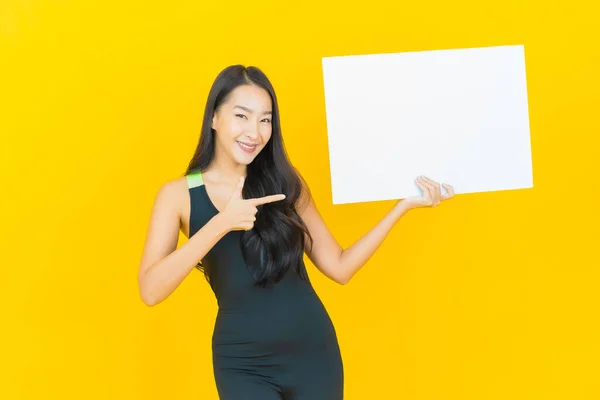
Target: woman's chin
(242, 157)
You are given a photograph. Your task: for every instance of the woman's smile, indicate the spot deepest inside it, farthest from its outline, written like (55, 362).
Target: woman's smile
(248, 148)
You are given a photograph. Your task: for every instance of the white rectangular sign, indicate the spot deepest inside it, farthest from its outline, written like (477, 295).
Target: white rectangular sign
(457, 116)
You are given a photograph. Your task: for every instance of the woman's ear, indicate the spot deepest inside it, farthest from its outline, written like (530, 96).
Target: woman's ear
(214, 121)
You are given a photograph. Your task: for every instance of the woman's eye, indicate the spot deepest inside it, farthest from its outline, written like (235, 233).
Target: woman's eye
(240, 115)
(267, 120)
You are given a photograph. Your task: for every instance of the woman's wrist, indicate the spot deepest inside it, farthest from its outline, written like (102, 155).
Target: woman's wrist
(401, 208)
(221, 224)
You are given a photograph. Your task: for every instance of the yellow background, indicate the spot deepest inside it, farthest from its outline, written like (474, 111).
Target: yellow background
(491, 296)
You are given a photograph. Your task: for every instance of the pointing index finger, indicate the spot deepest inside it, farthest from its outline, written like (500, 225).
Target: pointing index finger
(267, 199)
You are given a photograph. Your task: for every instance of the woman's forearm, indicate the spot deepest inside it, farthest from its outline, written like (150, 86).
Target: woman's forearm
(355, 256)
(161, 279)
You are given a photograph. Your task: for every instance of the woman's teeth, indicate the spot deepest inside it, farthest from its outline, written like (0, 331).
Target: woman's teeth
(247, 148)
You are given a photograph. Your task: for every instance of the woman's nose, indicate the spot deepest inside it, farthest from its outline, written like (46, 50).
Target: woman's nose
(252, 131)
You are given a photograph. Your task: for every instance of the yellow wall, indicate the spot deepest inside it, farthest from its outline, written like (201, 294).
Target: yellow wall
(492, 296)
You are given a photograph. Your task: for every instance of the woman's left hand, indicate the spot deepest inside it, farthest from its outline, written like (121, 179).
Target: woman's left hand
(432, 195)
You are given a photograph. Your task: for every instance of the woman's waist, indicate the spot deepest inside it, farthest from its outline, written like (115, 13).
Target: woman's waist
(279, 327)
(249, 299)
(278, 314)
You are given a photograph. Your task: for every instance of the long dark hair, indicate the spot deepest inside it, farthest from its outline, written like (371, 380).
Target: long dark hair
(276, 243)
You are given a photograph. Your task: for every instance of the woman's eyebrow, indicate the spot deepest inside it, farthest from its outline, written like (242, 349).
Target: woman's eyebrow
(249, 110)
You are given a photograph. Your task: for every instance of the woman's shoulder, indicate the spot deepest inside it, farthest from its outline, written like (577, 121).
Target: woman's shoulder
(175, 186)
(172, 201)
(173, 193)
(305, 198)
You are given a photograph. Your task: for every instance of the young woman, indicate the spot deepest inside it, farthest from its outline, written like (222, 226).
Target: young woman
(249, 218)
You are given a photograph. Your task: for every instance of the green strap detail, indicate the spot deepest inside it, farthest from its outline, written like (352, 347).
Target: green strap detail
(194, 179)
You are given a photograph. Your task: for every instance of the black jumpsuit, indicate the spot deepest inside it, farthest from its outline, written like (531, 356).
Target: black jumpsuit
(268, 343)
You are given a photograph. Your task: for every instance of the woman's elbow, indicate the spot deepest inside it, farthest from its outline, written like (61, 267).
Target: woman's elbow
(146, 294)
(343, 279)
(147, 298)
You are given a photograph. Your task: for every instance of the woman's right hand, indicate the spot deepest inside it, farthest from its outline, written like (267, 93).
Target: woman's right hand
(240, 213)
(432, 195)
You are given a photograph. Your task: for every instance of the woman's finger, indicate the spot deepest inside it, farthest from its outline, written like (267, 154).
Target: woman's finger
(449, 190)
(427, 195)
(434, 189)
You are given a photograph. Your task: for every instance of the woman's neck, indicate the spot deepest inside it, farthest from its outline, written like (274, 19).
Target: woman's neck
(226, 170)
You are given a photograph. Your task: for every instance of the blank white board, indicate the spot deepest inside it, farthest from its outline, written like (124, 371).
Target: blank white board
(458, 116)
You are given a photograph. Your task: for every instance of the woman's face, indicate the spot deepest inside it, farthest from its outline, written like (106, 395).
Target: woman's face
(243, 123)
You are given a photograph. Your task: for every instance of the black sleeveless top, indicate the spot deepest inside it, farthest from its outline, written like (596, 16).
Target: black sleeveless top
(229, 277)
(281, 334)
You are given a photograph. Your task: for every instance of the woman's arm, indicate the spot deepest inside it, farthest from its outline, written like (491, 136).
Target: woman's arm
(163, 267)
(341, 264)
